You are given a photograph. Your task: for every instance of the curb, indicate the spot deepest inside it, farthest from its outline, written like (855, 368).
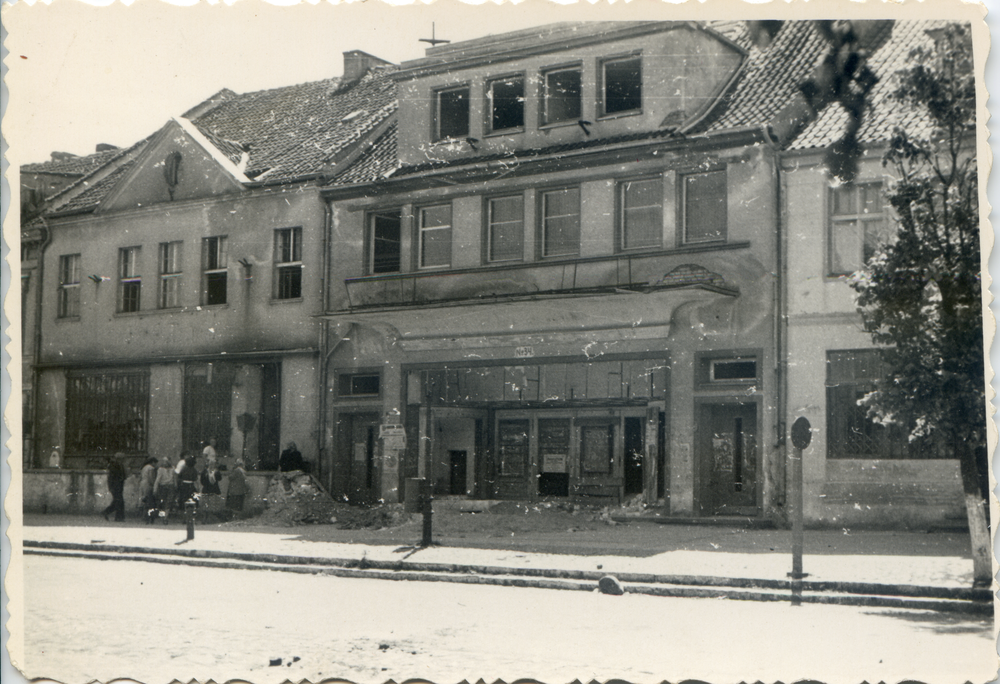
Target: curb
(950, 599)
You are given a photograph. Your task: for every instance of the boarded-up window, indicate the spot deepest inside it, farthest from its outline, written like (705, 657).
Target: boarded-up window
(512, 447)
(597, 448)
(106, 412)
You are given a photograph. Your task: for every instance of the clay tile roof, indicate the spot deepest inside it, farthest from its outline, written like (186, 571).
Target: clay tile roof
(882, 114)
(72, 165)
(375, 163)
(95, 192)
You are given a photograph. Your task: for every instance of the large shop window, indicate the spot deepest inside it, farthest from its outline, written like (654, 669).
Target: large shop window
(129, 280)
(170, 274)
(512, 447)
(384, 244)
(506, 227)
(561, 222)
(641, 203)
(69, 286)
(215, 270)
(435, 236)
(704, 207)
(850, 433)
(288, 263)
(506, 102)
(562, 95)
(452, 113)
(106, 412)
(622, 85)
(857, 226)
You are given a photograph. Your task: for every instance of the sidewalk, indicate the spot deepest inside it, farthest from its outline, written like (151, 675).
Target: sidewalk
(916, 564)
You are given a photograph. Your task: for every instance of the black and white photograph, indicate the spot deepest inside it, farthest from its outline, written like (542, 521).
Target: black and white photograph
(446, 343)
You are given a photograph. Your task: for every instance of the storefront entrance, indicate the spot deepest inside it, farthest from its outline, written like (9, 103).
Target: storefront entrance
(359, 435)
(727, 455)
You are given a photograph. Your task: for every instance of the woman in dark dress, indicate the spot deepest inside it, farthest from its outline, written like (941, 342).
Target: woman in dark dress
(187, 478)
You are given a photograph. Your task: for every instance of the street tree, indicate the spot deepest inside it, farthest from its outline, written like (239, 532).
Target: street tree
(920, 294)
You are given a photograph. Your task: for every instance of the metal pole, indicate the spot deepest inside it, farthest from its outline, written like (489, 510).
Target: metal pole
(189, 508)
(426, 509)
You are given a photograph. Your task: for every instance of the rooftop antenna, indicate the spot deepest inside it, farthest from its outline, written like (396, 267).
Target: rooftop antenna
(432, 40)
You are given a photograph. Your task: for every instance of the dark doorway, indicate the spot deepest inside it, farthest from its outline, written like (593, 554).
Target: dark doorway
(727, 440)
(270, 423)
(458, 460)
(363, 476)
(634, 454)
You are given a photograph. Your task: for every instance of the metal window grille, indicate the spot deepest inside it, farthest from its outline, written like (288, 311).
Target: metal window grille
(107, 412)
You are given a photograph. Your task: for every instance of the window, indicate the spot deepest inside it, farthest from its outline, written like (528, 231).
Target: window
(435, 236)
(850, 433)
(452, 113)
(129, 280)
(857, 226)
(69, 286)
(106, 412)
(358, 385)
(512, 447)
(506, 103)
(732, 370)
(170, 274)
(704, 207)
(288, 263)
(561, 222)
(622, 80)
(562, 95)
(384, 242)
(506, 229)
(597, 448)
(215, 270)
(641, 203)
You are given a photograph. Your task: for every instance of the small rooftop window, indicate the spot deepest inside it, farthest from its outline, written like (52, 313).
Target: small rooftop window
(622, 85)
(452, 113)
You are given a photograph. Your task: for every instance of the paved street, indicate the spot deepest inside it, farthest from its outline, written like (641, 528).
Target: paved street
(90, 619)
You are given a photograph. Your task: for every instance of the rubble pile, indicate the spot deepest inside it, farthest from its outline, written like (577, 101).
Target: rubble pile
(297, 499)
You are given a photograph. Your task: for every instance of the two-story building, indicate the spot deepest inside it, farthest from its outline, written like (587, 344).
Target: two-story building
(181, 280)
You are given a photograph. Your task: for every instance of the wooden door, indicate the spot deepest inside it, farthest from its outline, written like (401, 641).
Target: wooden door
(728, 459)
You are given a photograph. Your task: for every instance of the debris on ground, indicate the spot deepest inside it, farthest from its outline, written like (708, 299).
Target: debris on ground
(610, 585)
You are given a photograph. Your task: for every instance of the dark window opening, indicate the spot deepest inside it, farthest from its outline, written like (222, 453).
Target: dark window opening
(562, 95)
(386, 247)
(734, 370)
(288, 263)
(366, 385)
(453, 113)
(507, 104)
(622, 85)
(215, 288)
(216, 272)
(705, 207)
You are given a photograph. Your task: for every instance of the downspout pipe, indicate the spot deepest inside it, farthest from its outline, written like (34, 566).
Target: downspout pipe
(324, 336)
(37, 343)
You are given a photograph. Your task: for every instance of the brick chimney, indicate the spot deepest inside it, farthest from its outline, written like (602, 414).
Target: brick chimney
(357, 64)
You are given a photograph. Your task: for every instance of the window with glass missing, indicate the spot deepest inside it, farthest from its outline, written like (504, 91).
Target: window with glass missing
(288, 263)
(562, 94)
(506, 103)
(384, 241)
(358, 385)
(704, 206)
(215, 270)
(452, 113)
(170, 274)
(69, 286)
(622, 79)
(129, 280)
(856, 228)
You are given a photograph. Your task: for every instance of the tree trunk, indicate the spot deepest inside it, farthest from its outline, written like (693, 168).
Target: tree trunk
(976, 510)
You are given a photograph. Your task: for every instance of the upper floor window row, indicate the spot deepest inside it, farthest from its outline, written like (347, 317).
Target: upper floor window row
(561, 92)
(169, 274)
(559, 212)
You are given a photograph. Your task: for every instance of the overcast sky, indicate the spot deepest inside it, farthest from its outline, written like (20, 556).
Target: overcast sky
(82, 75)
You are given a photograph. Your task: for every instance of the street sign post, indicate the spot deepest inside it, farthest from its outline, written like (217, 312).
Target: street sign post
(801, 436)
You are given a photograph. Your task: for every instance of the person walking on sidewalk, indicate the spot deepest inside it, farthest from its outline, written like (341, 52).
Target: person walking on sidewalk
(116, 485)
(165, 488)
(147, 479)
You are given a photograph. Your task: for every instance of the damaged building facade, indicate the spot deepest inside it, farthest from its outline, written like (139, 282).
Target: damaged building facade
(599, 263)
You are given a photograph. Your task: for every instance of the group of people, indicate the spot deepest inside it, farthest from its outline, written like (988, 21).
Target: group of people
(165, 487)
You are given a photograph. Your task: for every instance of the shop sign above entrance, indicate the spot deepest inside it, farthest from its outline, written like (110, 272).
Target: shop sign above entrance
(524, 352)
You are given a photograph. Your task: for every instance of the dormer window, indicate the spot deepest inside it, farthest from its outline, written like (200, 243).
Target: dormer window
(452, 113)
(622, 79)
(506, 103)
(563, 88)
